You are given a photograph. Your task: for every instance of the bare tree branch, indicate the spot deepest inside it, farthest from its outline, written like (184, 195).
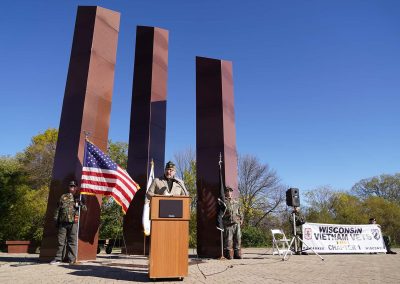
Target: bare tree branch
(260, 189)
(183, 160)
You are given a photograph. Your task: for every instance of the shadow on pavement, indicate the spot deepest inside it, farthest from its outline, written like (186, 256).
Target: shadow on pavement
(110, 272)
(120, 256)
(19, 259)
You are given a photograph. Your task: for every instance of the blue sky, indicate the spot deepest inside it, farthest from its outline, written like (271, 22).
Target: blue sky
(316, 83)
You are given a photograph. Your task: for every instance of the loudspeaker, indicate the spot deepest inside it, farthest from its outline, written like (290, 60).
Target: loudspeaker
(293, 197)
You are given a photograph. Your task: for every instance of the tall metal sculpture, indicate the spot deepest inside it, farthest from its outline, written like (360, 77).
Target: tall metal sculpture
(86, 107)
(148, 123)
(215, 133)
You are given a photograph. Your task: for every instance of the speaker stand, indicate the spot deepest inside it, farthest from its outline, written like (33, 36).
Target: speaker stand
(296, 240)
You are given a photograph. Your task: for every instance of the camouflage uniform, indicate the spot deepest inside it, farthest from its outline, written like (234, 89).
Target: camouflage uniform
(386, 239)
(232, 234)
(66, 219)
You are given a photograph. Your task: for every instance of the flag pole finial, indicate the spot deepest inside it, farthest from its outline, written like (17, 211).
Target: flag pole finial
(87, 134)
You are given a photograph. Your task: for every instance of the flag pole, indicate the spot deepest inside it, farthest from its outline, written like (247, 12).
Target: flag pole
(144, 245)
(222, 245)
(147, 188)
(222, 238)
(87, 133)
(77, 230)
(145, 215)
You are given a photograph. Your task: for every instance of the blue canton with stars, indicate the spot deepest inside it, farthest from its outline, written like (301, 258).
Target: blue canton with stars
(95, 158)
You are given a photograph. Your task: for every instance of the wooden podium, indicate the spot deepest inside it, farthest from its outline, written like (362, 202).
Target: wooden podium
(169, 244)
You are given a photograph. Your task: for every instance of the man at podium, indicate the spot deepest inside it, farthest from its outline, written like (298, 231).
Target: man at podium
(168, 184)
(170, 215)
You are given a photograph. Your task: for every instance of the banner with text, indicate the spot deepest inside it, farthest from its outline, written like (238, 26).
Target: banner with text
(334, 238)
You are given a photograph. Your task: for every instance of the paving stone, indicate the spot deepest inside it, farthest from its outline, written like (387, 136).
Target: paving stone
(257, 266)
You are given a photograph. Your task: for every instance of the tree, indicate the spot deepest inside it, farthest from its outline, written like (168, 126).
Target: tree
(385, 186)
(348, 209)
(326, 205)
(24, 183)
(260, 190)
(38, 158)
(26, 218)
(118, 152)
(21, 208)
(12, 177)
(387, 214)
(183, 160)
(110, 219)
(320, 205)
(186, 168)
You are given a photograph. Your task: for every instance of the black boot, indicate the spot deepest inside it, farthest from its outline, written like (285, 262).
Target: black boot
(237, 254)
(227, 254)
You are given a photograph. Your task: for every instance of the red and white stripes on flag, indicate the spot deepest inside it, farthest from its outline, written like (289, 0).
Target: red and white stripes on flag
(100, 175)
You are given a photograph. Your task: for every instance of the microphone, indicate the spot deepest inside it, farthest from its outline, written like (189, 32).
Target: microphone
(181, 185)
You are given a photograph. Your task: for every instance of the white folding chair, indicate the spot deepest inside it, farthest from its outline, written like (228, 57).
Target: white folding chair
(280, 244)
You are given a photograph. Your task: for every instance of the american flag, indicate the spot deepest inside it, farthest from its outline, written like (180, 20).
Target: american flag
(100, 175)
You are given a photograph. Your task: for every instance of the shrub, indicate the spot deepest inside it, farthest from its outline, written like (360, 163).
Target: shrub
(193, 230)
(254, 237)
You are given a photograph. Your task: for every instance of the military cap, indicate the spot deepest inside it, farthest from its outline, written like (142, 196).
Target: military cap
(170, 165)
(72, 183)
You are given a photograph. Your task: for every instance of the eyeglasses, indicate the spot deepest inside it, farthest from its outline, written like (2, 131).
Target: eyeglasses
(72, 186)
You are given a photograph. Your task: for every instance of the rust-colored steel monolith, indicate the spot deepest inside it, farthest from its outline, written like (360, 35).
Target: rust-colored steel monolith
(86, 107)
(148, 124)
(215, 134)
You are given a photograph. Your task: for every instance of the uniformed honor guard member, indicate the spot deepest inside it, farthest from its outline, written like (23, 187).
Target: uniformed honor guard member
(168, 184)
(232, 220)
(66, 219)
(386, 239)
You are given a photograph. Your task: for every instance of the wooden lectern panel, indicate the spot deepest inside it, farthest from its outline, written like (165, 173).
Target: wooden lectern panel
(169, 248)
(155, 206)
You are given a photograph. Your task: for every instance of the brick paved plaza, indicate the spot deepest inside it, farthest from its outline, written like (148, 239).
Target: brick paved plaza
(258, 266)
